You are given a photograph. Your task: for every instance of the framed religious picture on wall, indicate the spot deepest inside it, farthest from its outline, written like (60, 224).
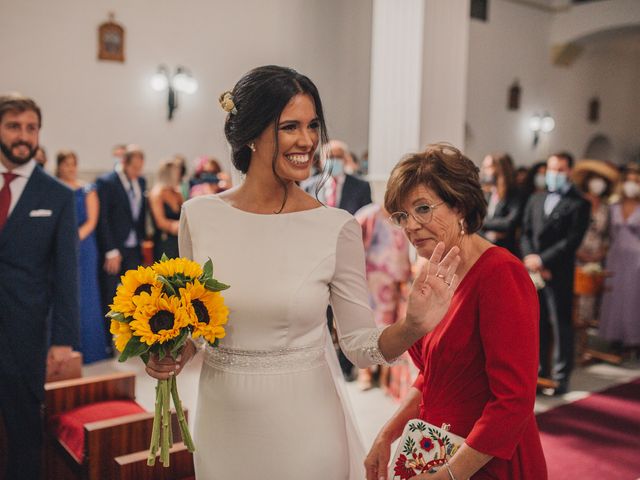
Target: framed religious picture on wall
(111, 40)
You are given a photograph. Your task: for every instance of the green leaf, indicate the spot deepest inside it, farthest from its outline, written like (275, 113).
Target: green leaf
(164, 257)
(145, 357)
(167, 285)
(207, 270)
(161, 350)
(178, 343)
(133, 348)
(214, 285)
(117, 316)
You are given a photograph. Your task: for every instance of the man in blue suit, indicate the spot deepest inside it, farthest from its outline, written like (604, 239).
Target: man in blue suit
(38, 275)
(121, 227)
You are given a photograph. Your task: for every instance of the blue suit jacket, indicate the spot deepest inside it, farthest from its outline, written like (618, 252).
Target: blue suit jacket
(116, 218)
(38, 273)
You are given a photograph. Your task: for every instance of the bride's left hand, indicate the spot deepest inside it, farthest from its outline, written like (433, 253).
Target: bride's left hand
(431, 292)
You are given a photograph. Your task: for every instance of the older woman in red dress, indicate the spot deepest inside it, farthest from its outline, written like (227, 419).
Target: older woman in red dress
(478, 367)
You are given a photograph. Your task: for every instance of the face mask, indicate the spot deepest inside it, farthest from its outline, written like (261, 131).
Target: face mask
(555, 181)
(540, 181)
(336, 166)
(630, 189)
(349, 170)
(597, 186)
(486, 179)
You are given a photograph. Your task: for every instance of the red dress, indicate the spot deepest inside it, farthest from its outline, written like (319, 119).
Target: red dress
(478, 368)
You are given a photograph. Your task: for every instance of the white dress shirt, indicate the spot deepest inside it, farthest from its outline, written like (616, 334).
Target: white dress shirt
(553, 199)
(325, 192)
(19, 183)
(132, 239)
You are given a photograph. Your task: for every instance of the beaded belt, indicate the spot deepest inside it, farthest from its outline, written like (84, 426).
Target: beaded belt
(288, 360)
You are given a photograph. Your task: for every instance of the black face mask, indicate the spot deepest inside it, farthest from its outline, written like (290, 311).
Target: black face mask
(6, 151)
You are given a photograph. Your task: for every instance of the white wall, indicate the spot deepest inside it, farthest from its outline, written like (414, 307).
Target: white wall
(515, 44)
(49, 53)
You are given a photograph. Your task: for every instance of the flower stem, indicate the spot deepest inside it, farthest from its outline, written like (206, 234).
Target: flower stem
(184, 426)
(155, 432)
(166, 419)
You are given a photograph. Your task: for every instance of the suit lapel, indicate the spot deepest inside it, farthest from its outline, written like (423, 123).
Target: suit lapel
(346, 189)
(124, 196)
(28, 201)
(562, 208)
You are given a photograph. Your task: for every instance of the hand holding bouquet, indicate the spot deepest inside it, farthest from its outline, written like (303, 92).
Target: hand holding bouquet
(155, 311)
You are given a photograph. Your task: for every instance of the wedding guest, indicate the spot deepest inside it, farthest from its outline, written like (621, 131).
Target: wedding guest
(41, 157)
(181, 162)
(93, 331)
(343, 190)
(534, 183)
(206, 177)
(286, 256)
(595, 179)
(478, 367)
(121, 226)
(388, 273)
(38, 281)
(165, 202)
(553, 227)
(621, 303)
(504, 204)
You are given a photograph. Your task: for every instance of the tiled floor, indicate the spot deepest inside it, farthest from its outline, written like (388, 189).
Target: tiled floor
(372, 408)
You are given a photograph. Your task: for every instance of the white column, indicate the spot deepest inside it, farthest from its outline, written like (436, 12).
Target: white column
(396, 84)
(446, 52)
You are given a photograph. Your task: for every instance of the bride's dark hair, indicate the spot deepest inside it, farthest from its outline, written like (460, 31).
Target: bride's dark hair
(259, 98)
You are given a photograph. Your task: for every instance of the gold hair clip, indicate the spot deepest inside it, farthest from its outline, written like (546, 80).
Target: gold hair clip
(227, 103)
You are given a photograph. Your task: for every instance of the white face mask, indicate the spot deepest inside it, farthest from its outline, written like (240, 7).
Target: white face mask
(540, 181)
(597, 186)
(631, 189)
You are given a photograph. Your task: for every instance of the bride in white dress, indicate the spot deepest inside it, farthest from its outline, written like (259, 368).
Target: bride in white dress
(271, 401)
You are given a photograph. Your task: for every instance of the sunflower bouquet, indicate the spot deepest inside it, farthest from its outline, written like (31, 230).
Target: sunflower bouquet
(155, 311)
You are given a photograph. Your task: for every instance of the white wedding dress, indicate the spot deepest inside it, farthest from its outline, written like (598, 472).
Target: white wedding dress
(271, 401)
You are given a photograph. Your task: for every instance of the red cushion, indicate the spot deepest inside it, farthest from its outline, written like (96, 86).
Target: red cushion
(68, 427)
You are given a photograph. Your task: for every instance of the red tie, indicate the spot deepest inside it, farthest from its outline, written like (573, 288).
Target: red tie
(5, 197)
(332, 192)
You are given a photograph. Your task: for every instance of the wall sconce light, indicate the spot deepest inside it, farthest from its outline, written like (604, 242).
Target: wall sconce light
(180, 81)
(544, 124)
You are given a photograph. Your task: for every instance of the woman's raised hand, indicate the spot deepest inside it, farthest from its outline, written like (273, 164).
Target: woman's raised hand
(432, 290)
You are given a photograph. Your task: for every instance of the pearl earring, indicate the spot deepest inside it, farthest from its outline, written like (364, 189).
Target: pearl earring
(252, 147)
(462, 232)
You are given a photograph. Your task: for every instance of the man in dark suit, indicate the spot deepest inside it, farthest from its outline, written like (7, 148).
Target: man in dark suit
(553, 226)
(121, 226)
(344, 191)
(38, 276)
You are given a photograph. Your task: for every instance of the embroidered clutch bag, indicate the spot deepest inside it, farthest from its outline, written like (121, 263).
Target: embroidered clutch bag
(422, 448)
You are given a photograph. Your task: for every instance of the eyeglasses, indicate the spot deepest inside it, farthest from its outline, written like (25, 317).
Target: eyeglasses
(421, 214)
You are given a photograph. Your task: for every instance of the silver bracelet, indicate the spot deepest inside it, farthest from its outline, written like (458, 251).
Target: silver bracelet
(448, 467)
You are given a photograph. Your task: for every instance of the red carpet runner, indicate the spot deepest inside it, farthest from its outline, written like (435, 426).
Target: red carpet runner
(594, 438)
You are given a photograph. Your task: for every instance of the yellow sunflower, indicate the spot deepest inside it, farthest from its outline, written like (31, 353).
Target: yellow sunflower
(206, 311)
(122, 334)
(173, 266)
(133, 283)
(160, 320)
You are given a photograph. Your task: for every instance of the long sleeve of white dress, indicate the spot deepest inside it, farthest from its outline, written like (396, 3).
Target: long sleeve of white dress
(349, 297)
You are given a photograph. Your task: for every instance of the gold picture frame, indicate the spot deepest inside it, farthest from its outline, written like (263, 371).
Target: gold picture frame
(111, 41)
